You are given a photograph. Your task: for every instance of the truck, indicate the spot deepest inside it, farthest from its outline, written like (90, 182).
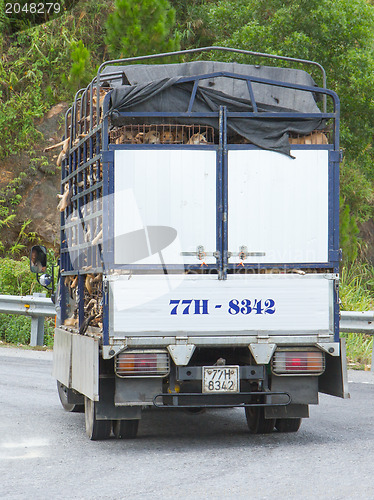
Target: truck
(199, 257)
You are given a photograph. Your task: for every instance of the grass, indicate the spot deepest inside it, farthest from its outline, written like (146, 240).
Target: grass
(16, 279)
(359, 349)
(16, 329)
(356, 288)
(10, 345)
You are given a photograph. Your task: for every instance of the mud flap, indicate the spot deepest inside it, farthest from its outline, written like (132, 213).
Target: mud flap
(303, 392)
(334, 380)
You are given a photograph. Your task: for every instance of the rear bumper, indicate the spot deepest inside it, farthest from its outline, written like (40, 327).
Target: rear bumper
(242, 399)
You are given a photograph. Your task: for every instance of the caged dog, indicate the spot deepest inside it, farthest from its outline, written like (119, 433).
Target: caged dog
(197, 139)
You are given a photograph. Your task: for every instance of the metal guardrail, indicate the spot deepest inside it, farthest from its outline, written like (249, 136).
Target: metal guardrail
(37, 306)
(357, 322)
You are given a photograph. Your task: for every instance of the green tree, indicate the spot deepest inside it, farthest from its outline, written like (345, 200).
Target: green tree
(190, 16)
(80, 73)
(4, 21)
(338, 35)
(348, 235)
(139, 28)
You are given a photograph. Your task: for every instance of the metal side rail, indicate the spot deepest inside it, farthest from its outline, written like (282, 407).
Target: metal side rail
(37, 306)
(358, 322)
(222, 400)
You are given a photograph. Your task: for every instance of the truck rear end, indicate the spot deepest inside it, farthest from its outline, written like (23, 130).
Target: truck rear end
(199, 245)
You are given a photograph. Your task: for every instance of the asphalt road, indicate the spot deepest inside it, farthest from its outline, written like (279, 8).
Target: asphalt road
(45, 454)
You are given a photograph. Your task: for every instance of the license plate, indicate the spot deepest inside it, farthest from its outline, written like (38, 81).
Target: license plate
(219, 379)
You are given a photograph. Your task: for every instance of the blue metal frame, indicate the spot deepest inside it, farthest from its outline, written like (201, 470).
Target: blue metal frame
(103, 155)
(219, 200)
(200, 50)
(224, 194)
(253, 114)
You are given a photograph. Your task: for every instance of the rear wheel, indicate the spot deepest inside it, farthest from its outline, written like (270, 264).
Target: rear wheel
(288, 424)
(63, 395)
(125, 429)
(95, 429)
(257, 423)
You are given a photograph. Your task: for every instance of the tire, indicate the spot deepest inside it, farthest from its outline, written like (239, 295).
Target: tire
(125, 429)
(63, 395)
(288, 424)
(95, 429)
(257, 423)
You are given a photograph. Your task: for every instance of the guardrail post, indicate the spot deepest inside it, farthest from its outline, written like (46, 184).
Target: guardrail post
(37, 326)
(37, 331)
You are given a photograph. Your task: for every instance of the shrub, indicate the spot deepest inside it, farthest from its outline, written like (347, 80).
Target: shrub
(16, 279)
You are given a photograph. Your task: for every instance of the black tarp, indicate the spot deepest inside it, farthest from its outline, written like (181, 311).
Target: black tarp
(170, 94)
(296, 100)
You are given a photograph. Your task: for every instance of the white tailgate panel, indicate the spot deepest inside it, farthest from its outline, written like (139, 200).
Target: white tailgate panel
(173, 188)
(279, 205)
(141, 305)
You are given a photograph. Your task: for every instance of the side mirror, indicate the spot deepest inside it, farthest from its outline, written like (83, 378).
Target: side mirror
(38, 259)
(45, 280)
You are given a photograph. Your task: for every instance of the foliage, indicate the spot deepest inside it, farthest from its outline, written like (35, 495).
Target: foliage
(356, 294)
(4, 20)
(356, 287)
(191, 23)
(29, 14)
(359, 349)
(34, 66)
(23, 237)
(348, 234)
(356, 190)
(139, 28)
(16, 279)
(81, 71)
(16, 330)
(336, 34)
(10, 197)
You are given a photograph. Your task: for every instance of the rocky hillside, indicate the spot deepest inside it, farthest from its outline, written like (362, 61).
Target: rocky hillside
(38, 189)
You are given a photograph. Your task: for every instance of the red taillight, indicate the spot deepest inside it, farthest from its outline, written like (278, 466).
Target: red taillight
(298, 362)
(142, 363)
(146, 363)
(295, 363)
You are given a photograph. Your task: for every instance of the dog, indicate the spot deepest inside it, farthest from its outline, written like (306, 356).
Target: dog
(197, 139)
